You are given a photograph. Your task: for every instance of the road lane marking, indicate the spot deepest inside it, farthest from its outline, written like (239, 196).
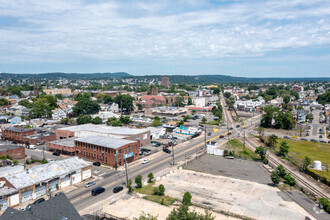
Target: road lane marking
(162, 161)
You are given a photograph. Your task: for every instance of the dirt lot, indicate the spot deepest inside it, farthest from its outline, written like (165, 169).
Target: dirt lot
(237, 168)
(245, 198)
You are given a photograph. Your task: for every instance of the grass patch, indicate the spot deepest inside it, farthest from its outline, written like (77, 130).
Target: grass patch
(148, 191)
(314, 150)
(238, 147)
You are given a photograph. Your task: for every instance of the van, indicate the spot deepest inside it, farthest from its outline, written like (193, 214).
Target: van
(97, 191)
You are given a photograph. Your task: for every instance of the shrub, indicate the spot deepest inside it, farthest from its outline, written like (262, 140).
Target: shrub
(265, 161)
(138, 181)
(281, 171)
(290, 180)
(129, 186)
(150, 177)
(186, 199)
(275, 178)
(326, 204)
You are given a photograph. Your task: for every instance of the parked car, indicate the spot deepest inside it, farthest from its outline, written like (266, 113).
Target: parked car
(323, 141)
(307, 134)
(231, 128)
(320, 136)
(90, 184)
(286, 137)
(56, 154)
(165, 146)
(209, 133)
(117, 189)
(97, 191)
(97, 164)
(303, 139)
(167, 150)
(313, 140)
(59, 193)
(145, 161)
(237, 126)
(221, 136)
(147, 153)
(32, 147)
(38, 201)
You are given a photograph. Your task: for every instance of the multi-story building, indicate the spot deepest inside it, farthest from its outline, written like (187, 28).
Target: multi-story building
(55, 91)
(107, 150)
(16, 152)
(21, 185)
(297, 88)
(16, 134)
(166, 82)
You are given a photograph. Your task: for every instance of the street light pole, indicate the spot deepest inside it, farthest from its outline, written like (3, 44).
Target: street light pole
(126, 171)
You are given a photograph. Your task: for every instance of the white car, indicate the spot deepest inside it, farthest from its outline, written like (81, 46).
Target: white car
(145, 161)
(90, 184)
(32, 147)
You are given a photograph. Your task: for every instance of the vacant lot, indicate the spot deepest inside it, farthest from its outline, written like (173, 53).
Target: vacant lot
(236, 168)
(240, 150)
(314, 150)
(240, 197)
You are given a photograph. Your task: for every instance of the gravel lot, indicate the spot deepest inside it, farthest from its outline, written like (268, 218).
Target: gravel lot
(236, 168)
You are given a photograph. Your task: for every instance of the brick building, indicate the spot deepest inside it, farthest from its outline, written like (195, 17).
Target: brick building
(133, 134)
(16, 152)
(16, 134)
(166, 82)
(107, 150)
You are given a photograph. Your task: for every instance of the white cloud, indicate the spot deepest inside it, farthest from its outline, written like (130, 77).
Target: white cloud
(64, 31)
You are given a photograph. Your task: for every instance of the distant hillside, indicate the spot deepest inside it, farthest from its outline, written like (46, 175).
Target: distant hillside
(180, 79)
(65, 75)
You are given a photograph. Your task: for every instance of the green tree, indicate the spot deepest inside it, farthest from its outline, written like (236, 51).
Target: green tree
(267, 117)
(140, 107)
(41, 108)
(26, 103)
(150, 177)
(286, 99)
(290, 180)
(97, 120)
(86, 106)
(125, 102)
(284, 148)
(261, 151)
(179, 123)
(307, 162)
(59, 96)
(189, 101)
(156, 123)
(125, 119)
(261, 131)
(100, 97)
(227, 94)
(145, 216)
(275, 178)
(204, 120)
(84, 119)
(116, 123)
(273, 140)
(138, 181)
(161, 190)
(186, 118)
(281, 171)
(4, 101)
(179, 101)
(107, 99)
(186, 199)
(324, 98)
(288, 121)
(216, 90)
(129, 186)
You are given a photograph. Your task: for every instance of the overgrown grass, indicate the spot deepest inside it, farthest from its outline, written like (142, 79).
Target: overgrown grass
(148, 191)
(314, 150)
(238, 147)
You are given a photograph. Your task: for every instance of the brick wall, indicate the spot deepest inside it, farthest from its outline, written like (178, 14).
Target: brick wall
(18, 153)
(16, 136)
(106, 155)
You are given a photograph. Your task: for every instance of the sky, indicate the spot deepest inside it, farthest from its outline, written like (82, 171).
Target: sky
(251, 38)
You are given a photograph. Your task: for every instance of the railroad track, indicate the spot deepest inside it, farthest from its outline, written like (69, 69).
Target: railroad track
(310, 187)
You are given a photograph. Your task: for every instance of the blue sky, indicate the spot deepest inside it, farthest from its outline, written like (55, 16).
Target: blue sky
(241, 38)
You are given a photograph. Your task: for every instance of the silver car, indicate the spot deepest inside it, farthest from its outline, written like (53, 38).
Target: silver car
(90, 184)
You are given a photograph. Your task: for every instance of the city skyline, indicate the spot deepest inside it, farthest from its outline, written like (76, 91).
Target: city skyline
(236, 38)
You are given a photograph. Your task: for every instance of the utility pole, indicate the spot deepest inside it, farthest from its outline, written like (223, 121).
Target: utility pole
(244, 141)
(173, 152)
(126, 171)
(43, 152)
(205, 137)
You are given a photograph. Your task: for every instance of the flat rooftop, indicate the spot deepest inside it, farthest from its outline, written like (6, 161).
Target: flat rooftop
(67, 142)
(45, 172)
(8, 147)
(113, 143)
(105, 129)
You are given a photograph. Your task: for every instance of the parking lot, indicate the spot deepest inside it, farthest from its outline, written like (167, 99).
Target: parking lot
(235, 168)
